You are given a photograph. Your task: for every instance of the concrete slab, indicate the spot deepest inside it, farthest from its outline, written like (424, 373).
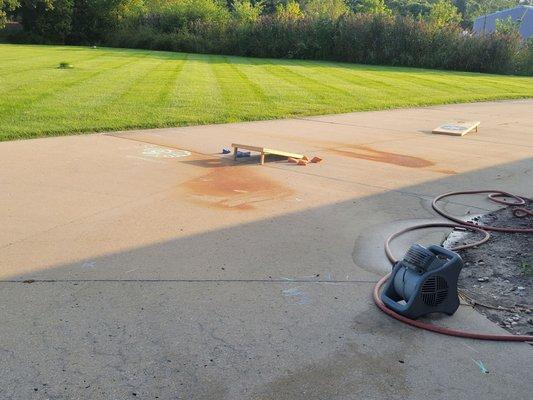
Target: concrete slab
(236, 340)
(176, 275)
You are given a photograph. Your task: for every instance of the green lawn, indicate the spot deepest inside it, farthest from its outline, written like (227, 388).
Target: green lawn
(110, 89)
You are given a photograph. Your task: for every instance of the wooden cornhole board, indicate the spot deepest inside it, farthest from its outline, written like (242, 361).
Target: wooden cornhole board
(457, 128)
(263, 151)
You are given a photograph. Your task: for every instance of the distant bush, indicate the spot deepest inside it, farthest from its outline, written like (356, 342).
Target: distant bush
(357, 38)
(528, 59)
(174, 15)
(52, 22)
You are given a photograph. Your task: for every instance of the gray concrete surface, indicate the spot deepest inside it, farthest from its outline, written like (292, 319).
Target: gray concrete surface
(155, 276)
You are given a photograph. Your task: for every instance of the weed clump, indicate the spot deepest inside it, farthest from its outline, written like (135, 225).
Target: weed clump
(65, 65)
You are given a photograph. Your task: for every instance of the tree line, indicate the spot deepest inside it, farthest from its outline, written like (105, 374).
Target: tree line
(422, 33)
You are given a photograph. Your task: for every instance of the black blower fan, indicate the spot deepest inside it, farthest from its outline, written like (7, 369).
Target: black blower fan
(424, 282)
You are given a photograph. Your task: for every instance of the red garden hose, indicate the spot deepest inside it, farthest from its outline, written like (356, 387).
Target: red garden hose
(522, 212)
(494, 196)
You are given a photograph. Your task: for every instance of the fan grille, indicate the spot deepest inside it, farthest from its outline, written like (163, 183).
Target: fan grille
(434, 291)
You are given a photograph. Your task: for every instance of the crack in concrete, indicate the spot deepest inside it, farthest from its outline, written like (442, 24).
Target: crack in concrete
(277, 281)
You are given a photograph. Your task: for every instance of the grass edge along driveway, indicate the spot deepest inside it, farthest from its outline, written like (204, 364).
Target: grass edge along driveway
(114, 89)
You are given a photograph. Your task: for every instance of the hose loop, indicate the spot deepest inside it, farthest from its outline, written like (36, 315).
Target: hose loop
(494, 195)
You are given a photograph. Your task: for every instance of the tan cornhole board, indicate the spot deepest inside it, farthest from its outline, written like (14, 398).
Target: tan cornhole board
(263, 151)
(457, 128)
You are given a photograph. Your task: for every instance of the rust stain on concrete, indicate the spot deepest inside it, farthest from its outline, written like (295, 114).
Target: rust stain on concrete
(368, 153)
(235, 188)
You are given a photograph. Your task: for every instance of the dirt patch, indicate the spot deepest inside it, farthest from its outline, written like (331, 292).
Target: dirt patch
(368, 153)
(499, 274)
(235, 188)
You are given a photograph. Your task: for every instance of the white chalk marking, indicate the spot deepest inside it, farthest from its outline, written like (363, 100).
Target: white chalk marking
(297, 295)
(145, 159)
(160, 152)
(89, 264)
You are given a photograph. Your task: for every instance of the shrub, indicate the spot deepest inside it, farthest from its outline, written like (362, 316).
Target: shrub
(49, 20)
(174, 15)
(372, 7)
(444, 13)
(357, 38)
(289, 12)
(326, 9)
(65, 65)
(246, 12)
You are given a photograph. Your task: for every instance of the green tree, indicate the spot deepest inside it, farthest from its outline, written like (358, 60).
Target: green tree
(289, 12)
(330, 9)
(413, 8)
(125, 9)
(6, 7)
(508, 26)
(475, 8)
(372, 7)
(50, 19)
(270, 6)
(480, 7)
(444, 13)
(93, 19)
(247, 12)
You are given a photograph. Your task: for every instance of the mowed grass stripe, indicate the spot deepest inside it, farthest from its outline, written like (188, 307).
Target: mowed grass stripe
(68, 107)
(357, 81)
(391, 85)
(303, 72)
(443, 76)
(415, 89)
(472, 82)
(349, 87)
(319, 98)
(112, 89)
(173, 78)
(285, 97)
(290, 97)
(39, 71)
(197, 98)
(41, 110)
(46, 61)
(366, 92)
(153, 86)
(394, 78)
(238, 91)
(56, 80)
(255, 88)
(81, 103)
(280, 96)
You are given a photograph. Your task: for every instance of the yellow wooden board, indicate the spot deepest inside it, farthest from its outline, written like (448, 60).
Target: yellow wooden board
(457, 128)
(264, 151)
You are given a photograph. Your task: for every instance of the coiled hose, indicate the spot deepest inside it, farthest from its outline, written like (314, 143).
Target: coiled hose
(494, 195)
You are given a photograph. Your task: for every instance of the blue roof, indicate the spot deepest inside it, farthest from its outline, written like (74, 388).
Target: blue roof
(521, 14)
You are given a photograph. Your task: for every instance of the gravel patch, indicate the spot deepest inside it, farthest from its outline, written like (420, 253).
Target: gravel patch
(497, 277)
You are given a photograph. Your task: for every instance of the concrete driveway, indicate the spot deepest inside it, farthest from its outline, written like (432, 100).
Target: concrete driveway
(132, 269)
